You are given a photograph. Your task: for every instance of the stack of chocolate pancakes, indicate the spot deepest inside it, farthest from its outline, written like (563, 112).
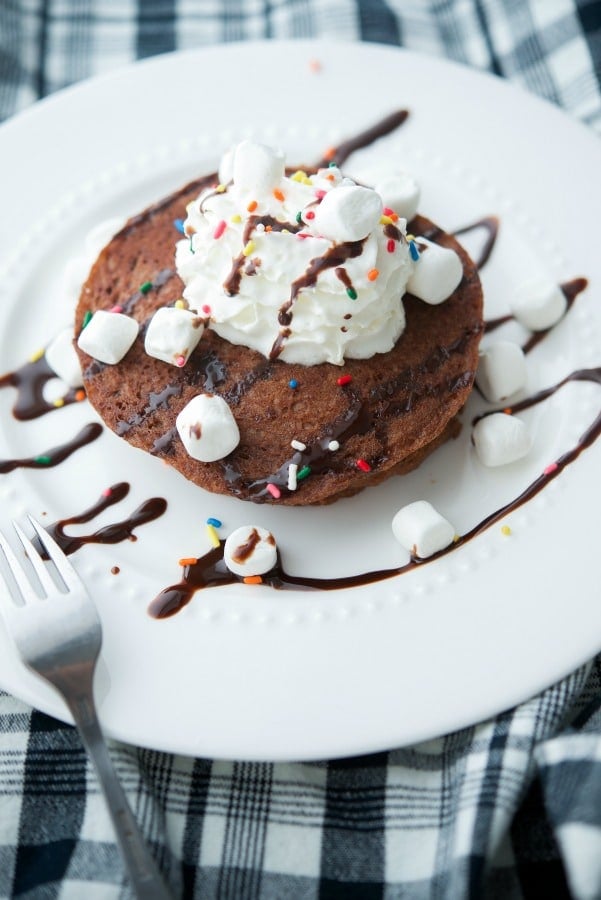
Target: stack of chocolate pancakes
(359, 423)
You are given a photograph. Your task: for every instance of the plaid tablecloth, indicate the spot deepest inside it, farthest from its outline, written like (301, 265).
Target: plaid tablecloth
(510, 808)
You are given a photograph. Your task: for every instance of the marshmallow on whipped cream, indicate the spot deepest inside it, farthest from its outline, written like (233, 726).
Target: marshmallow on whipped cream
(307, 268)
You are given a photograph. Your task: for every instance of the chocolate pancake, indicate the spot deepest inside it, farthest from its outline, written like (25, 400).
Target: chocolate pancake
(386, 413)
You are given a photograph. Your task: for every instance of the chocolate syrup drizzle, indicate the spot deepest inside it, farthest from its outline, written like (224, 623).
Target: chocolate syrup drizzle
(49, 458)
(210, 570)
(341, 153)
(206, 369)
(29, 381)
(108, 534)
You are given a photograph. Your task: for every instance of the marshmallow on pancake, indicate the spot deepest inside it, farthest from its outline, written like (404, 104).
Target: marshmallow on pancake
(108, 336)
(436, 273)
(207, 428)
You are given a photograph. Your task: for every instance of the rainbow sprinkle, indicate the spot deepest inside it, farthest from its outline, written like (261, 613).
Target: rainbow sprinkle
(39, 353)
(413, 251)
(344, 379)
(363, 465)
(292, 472)
(274, 490)
(219, 229)
(179, 225)
(303, 473)
(373, 274)
(213, 536)
(86, 319)
(216, 523)
(293, 383)
(249, 248)
(391, 246)
(147, 286)
(352, 293)
(278, 194)
(298, 445)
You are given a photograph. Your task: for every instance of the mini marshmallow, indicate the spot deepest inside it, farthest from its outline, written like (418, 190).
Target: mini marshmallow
(538, 304)
(401, 192)
(436, 273)
(63, 359)
(226, 166)
(501, 439)
(398, 190)
(348, 213)
(250, 550)
(108, 336)
(421, 529)
(257, 168)
(207, 428)
(173, 334)
(501, 370)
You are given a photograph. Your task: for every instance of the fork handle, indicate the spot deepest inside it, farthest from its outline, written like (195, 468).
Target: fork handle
(146, 879)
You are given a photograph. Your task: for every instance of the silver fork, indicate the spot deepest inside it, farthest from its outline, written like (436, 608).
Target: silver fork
(59, 635)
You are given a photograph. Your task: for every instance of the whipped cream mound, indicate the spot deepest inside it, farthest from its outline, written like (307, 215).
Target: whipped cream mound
(307, 268)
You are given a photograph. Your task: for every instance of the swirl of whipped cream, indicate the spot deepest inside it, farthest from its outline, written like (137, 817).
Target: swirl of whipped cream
(304, 268)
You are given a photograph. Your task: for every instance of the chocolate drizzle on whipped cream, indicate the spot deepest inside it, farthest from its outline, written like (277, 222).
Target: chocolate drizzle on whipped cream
(333, 258)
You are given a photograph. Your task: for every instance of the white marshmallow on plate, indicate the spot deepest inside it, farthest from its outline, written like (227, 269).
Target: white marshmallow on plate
(207, 428)
(250, 550)
(421, 529)
(501, 439)
(257, 168)
(63, 359)
(501, 370)
(173, 334)
(348, 213)
(436, 273)
(108, 336)
(539, 304)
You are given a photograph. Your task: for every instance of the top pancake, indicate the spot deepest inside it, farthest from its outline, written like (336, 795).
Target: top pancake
(397, 408)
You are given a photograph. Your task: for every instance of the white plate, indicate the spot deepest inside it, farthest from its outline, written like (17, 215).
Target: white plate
(248, 672)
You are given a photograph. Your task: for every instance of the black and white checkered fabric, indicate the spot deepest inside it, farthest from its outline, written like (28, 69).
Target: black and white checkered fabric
(510, 808)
